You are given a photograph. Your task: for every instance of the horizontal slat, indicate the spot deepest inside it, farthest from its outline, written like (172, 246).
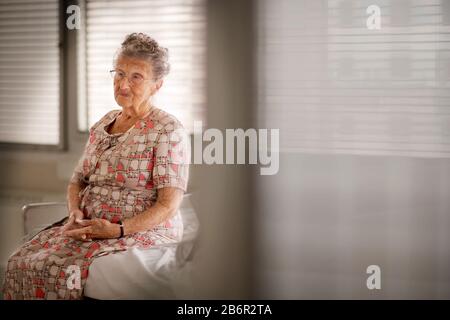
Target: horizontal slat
(25, 3)
(39, 139)
(164, 10)
(332, 85)
(35, 22)
(93, 5)
(32, 8)
(25, 110)
(6, 16)
(12, 39)
(31, 125)
(29, 72)
(25, 29)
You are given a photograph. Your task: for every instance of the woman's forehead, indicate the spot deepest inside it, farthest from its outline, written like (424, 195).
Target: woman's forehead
(133, 65)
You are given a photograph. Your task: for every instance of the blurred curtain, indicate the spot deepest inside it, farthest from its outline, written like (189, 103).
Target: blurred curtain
(364, 132)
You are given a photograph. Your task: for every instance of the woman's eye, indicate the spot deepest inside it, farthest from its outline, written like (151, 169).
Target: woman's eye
(121, 74)
(137, 77)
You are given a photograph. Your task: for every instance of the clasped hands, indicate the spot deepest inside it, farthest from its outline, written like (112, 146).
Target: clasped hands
(87, 229)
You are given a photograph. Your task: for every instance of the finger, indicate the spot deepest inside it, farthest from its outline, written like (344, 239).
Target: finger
(83, 237)
(85, 222)
(68, 224)
(70, 220)
(77, 232)
(73, 233)
(59, 230)
(69, 227)
(86, 238)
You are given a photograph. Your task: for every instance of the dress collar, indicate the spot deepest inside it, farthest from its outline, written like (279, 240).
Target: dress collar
(122, 136)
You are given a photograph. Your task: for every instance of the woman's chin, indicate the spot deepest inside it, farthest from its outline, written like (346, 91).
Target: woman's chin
(123, 101)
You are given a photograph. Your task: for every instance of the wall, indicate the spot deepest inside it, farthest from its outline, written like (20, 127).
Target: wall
(325, 218)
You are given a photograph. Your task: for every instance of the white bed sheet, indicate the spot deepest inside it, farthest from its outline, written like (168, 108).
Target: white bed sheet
(159, 272)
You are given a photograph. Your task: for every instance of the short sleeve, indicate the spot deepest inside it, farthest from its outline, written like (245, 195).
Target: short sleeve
(172, 157)
(77, 175)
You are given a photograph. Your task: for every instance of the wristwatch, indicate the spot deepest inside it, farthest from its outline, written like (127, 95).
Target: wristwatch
(121, 228)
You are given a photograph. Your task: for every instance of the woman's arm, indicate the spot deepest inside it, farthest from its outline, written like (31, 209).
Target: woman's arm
(73, 206)
(167, 203)
(73, 200)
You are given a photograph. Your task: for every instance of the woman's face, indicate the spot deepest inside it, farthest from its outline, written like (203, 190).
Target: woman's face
(135, 89)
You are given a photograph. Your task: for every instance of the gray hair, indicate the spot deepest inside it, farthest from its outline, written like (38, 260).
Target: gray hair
(141, 46)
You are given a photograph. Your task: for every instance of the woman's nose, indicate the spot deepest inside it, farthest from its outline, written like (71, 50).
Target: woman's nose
(124, 84)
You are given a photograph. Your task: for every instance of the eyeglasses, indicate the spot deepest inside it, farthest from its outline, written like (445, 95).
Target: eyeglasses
(135, 79)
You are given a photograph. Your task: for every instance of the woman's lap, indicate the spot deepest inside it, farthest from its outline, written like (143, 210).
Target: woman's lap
(44, 267)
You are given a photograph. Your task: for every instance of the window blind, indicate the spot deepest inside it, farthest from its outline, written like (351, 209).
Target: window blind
(333, 86)
(178, 25)
(29, 72)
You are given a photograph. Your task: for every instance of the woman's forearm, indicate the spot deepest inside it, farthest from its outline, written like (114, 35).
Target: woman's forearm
(73, 199)
(167, 204)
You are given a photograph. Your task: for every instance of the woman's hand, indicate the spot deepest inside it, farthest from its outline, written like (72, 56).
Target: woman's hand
(94, 229)
(75, 217)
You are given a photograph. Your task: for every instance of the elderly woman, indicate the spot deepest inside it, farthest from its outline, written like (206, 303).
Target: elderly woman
(125, 190)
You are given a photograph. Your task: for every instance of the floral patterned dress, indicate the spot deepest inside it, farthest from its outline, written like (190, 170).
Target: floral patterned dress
(123, 172)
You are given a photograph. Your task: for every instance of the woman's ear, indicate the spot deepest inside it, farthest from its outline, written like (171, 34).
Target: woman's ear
(159, 84)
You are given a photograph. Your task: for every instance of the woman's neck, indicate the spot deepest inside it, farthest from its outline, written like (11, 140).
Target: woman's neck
(130, 114)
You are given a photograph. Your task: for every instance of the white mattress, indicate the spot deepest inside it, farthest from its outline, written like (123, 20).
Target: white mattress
(160, 272)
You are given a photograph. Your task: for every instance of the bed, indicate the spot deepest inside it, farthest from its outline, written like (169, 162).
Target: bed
(159, 272)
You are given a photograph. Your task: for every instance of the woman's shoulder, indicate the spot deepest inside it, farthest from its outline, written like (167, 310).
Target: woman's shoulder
(106, 118)
(164, 121)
